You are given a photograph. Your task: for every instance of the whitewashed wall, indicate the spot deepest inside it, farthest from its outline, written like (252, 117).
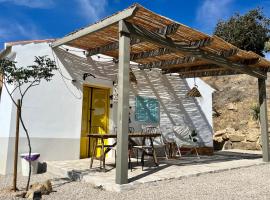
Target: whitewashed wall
(52, 110)
(52, 114)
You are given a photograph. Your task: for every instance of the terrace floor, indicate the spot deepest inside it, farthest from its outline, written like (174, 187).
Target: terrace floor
(167, 169)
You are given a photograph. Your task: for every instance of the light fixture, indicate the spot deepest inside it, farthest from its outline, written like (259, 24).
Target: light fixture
(194, 92)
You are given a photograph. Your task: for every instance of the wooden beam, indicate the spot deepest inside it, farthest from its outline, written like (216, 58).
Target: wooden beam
(192, 68)
(250, 61)
(123, 106)
(193, 74)
(151, 53)
(164, 63)
(170, 29)
(201, 43)
(264, 120)
(228, 53)
(96, 27)
(158, 39)
(110, 47)
(156, 52)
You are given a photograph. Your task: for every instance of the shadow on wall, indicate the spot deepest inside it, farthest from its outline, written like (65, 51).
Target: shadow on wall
(175, 107)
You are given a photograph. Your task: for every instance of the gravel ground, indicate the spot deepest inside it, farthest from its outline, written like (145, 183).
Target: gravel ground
(247, 183)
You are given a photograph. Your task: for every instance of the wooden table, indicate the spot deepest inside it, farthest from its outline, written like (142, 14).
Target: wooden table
(103, 137)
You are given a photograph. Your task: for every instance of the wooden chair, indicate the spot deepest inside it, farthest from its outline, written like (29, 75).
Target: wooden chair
(146, 144)
(184, 137)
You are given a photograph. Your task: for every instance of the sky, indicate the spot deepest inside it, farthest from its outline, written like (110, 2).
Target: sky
(43, 19)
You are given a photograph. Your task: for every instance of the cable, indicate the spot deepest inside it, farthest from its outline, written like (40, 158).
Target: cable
(64, 77)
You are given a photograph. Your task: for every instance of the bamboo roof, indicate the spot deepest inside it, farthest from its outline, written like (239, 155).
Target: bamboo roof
(159, 42)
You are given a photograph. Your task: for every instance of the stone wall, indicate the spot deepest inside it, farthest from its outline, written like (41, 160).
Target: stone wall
(229, 138)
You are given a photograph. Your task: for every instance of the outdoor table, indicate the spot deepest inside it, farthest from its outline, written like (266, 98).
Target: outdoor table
(103, 137)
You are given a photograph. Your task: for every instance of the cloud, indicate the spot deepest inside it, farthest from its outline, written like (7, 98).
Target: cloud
(11, 30)
(210, 11)
(31, 3)
(92, 10)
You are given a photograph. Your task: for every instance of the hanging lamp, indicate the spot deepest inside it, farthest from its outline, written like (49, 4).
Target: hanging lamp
(194, 92)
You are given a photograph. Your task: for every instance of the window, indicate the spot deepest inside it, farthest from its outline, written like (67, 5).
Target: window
(147, 110)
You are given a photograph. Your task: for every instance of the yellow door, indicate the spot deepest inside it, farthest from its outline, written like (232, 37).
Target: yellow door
(95, 116)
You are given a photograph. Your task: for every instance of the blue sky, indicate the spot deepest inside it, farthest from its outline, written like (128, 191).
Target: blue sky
(41, 19)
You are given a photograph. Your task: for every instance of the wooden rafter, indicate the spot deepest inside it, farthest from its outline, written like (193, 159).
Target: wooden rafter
(110, 47)
(158, 39)
(165, 31)
(228, 53)
(151, 53)
(192, 68)
(208, 73)
(165, 63)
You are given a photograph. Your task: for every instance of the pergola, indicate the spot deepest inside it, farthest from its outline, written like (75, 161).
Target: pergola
(153, 41)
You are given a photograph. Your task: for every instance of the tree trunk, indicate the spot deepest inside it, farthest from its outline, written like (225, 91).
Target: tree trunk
(29, 154)
(16, 145)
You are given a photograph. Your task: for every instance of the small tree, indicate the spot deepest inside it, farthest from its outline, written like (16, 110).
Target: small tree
(249, 32)
(22, 79)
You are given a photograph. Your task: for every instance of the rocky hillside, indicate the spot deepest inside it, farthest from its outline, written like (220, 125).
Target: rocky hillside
(233, 104)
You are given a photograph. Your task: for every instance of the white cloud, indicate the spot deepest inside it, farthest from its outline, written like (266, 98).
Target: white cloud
(11, 30)
(211, 11)
(92, 10)
(31, 3)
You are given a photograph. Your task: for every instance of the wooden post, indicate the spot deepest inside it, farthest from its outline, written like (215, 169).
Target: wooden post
(15, 166)
(123, 105)
(264, 120)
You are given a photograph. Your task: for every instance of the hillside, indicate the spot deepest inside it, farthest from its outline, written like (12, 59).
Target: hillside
(233, 100)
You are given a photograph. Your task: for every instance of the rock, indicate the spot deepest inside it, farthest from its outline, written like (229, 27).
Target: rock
(244, 145)
(225, 137)
(33, 194)
(252, 137)
(253, 124)
(38, 189)
(236, 137)
(230, 130)
(259, 143)
(232, 107)
(48, 186)
(243, 122)
(220, 133)
(227, 145)
(218, 139)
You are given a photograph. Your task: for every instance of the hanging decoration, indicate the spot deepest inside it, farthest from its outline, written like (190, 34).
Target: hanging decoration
(194, 92)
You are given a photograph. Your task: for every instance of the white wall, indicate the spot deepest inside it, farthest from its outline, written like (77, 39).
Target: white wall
(52, 110)
(206, 99)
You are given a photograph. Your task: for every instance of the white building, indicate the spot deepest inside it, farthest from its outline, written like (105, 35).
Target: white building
(57, 113)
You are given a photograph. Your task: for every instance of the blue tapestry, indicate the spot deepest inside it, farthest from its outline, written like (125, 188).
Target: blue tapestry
(147, 110)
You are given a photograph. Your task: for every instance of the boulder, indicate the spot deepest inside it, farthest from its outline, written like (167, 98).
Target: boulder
(253, 124)
(220, 133)
(252, 137)
(243, 122)
(236, 137)
(38, 189)
(218, 139)
(230, 130)
(244, 145)
(232, 107)
(225, 137)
